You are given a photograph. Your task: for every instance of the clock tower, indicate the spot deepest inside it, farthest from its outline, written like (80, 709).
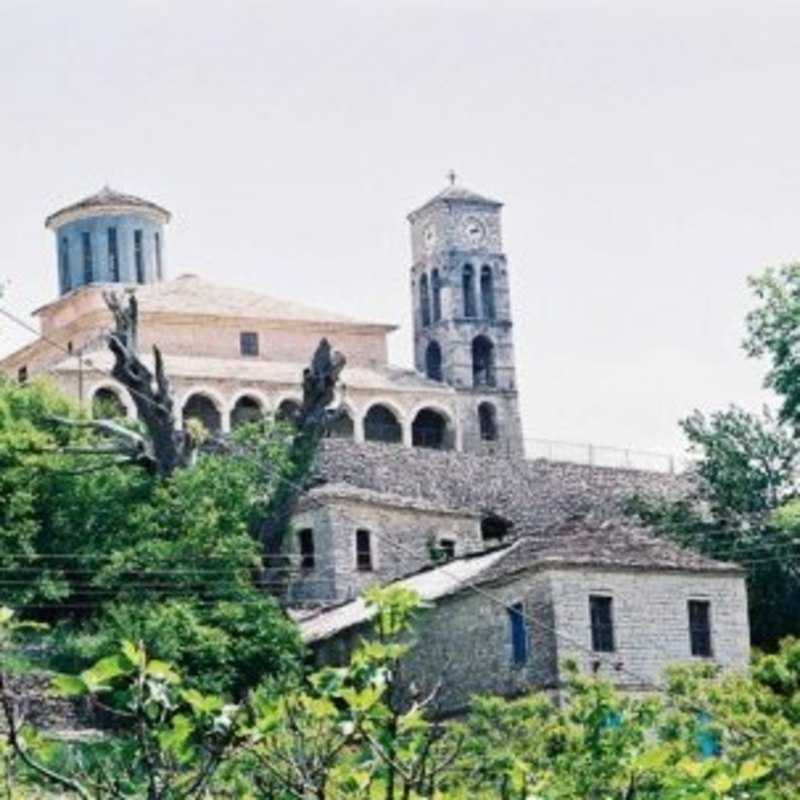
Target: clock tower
(462, 315)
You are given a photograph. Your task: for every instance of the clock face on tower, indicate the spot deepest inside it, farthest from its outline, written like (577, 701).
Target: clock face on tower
(474, 230)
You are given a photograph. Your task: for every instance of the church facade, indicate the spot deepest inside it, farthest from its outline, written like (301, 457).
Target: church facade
(424, 481)
(232, 353)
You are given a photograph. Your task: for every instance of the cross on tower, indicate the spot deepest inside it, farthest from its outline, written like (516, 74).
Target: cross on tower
(451, 176)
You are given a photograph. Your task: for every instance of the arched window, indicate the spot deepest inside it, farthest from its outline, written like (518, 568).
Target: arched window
(381, 425)
(429, 429)
(433, 361)
(342, 427)
(487, 420)
(487, 292)
(424, 300)
(247, 409)
(468, 290)
(288, 411)
(436, 285)
(202, 408)
(482, 362)
(66, 275)
(107, 404)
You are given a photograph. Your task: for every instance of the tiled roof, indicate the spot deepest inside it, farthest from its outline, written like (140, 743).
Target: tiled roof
(253, 371)
(108, 198)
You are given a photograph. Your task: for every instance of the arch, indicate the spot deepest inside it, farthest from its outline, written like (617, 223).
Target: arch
(381, 424)
(431, 428)
(203, 407)
(247, 408)
(107, 404)
(468, 290)
(487, 421)
(487, 292)
(483, 362)
(436, 291)
(343, 426)
(495, 528)
(424, 300)
(433, 361)
(288, 410)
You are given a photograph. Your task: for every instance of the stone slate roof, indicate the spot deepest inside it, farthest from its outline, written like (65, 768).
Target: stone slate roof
(458, 194)
(107, 198)
(606, 545)
(531, 494)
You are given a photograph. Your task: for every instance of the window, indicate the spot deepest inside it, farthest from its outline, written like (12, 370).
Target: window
(600, 613)
(66, 277)
(468, 290)
(305, 540)
(113, 255)
(248, 343)
(363, 551)
(447, 549)
(159, 265)
(436, 286)
(433, 361)
(487, 422)
(700, 627)
(519, 634)
(494, 528)
(88, 266)
(424, 301)
(382, 425)
(138, 256)
(483, 362)
(22, 375)
(487, 292)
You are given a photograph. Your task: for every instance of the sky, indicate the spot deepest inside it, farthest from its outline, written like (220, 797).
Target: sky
(647, 154)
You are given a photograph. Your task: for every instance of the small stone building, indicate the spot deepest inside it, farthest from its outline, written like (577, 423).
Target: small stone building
(621, 604)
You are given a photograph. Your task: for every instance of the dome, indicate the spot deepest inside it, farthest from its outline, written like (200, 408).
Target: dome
(107, 202)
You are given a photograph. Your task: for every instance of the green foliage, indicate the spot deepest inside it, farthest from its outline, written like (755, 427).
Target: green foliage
(123, 554)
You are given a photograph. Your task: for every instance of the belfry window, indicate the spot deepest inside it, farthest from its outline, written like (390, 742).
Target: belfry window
(22, 375)
(424, 301)
(248, 343)
(487, 422)
(436, 288)
(113, 255)
(487, 292)
(88, 266)
(363, 550)
(483, 362)
(433, 361)
(138, 256)
(305, 540)
(468, 290)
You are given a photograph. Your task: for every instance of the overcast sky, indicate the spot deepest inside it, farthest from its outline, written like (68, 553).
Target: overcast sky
(648, 155)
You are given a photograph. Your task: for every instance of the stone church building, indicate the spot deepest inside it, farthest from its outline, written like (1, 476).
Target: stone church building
(424, 480)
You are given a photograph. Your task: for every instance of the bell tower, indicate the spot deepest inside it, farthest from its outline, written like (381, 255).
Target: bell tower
(462, 314)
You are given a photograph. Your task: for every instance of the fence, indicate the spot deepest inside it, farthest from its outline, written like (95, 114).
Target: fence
(602, 456)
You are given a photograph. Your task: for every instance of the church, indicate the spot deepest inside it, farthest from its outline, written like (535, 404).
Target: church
(424, 480)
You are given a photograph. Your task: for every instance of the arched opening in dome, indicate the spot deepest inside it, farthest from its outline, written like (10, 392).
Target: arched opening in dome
(381, 425)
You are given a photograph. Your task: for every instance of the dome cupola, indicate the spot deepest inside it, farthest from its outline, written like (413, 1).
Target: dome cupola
(109, 237)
